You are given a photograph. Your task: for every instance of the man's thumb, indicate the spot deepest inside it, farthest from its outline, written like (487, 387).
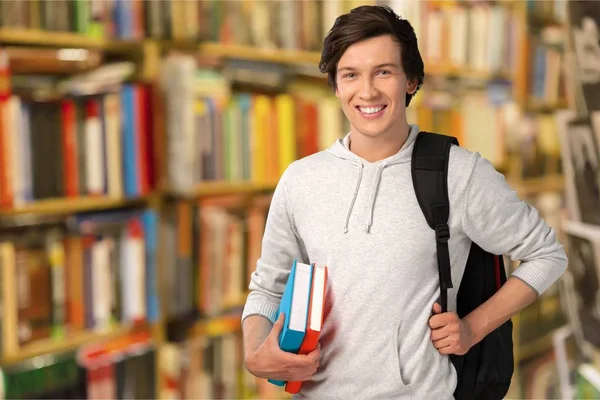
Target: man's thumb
(277, 327)
(437, 309)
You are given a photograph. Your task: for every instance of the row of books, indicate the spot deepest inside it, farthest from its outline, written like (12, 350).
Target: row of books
(216, 133)
(220, 133)
(534, 145)
(214, 244)
(211, 368)
(118, 19)
(546, 82)
(91, 272)
(206, 132)
(480, 119)
(482, 37)
(96, 145)
(116, 369)
(203, 368)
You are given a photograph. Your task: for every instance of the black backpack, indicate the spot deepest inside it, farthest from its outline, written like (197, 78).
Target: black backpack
(485, 371)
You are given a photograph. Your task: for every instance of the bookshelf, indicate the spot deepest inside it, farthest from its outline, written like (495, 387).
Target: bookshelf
(95, 203)
(33, 37)
(147, 53)
(279, 56)
(223, 188)
(218, 326)
(74, 205)
(70, 342)
(534, 186)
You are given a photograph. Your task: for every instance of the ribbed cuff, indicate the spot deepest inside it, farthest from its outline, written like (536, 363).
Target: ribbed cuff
(539, 275)
(260, 307)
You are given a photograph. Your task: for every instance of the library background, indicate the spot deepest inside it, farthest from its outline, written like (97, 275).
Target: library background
(140, 142)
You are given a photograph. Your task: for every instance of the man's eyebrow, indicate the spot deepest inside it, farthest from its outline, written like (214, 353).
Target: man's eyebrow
(384, 65)
(346, 68)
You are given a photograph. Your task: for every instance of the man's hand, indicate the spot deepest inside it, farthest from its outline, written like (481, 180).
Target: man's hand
(449, 334)
(270, 362)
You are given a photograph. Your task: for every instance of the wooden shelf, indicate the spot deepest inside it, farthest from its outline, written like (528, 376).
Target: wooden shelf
(72, 342)
(279, 56)
(221, 188)
(538, 107)
(72, 205)
(464, 72)
(532, 186)
(32, 37)
(218, 326)
(297, 57)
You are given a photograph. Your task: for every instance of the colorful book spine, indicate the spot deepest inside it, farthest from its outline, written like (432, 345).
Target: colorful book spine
(294, 306)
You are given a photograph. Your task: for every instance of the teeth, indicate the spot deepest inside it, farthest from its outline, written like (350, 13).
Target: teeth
(370, 110)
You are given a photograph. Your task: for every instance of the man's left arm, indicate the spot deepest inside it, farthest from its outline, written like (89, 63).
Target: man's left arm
(500, 222)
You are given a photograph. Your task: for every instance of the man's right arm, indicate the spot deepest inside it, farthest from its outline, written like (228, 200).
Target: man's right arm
(256, 328)
(280, 246)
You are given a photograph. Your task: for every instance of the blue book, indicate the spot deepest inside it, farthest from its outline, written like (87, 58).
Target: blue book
(294, 305)
(149, 220)
(129, 144)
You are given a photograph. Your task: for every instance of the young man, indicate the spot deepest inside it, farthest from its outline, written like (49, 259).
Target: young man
(354, 209)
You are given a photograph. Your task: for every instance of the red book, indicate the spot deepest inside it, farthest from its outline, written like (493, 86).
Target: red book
(142, 135)
(316, 310)
(69, 138)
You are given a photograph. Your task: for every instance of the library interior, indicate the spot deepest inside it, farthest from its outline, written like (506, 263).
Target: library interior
(170, 123)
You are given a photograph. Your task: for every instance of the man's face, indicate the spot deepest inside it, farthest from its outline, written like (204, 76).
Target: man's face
(372, 86)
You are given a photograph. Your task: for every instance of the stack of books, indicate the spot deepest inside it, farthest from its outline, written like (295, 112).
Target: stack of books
(302, 305)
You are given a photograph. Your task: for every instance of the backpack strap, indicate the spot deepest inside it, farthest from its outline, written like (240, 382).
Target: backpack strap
(429, 166)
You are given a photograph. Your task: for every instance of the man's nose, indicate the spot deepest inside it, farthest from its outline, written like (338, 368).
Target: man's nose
(368, 89)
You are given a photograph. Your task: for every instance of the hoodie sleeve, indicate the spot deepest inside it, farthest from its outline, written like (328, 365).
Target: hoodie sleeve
(500, 222)
(281, 244)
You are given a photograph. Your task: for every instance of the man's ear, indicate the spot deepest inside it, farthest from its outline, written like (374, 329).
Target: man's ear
(411, 86)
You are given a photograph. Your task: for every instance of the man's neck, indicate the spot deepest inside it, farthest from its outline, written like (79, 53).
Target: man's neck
(378, 148)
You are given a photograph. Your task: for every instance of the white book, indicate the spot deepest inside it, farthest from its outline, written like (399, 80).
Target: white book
(300, 297)
(94, 157)
(113, 144)
(13, 112)
(319, 288)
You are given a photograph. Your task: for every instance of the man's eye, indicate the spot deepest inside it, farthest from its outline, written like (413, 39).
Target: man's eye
(349, 75)
(383, 71)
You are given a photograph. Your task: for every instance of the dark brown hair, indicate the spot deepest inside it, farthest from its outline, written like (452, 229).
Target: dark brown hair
(366, 22)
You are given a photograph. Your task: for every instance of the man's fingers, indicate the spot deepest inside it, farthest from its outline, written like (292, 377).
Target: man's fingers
(440, 333)
(296, 360)
(314, 355)
(276, 329)
(441, 343)
(438, 321)
(444, 319)
(437, 309)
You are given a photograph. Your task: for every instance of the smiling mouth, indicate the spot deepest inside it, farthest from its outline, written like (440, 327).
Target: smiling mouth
(371, 111)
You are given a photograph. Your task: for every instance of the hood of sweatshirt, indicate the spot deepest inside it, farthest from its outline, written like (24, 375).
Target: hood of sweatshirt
(340, 149)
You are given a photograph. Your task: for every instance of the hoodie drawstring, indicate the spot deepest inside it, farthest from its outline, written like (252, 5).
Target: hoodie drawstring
(374, 189)
(358, 180)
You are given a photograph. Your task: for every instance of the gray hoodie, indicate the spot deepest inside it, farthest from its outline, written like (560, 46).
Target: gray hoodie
(362, 220)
